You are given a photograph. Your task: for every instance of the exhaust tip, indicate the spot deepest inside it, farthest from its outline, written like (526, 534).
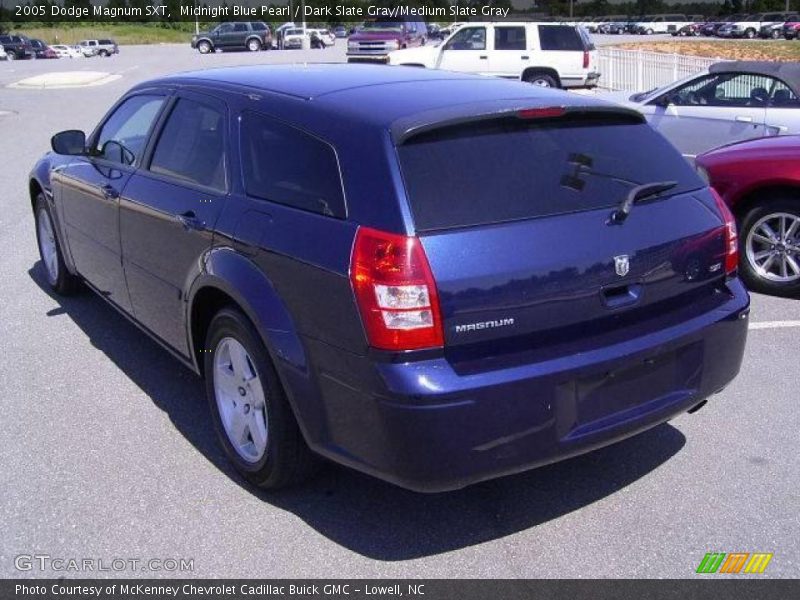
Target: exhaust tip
(697, 407)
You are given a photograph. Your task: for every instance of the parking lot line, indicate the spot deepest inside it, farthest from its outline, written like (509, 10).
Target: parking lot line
(774, 324)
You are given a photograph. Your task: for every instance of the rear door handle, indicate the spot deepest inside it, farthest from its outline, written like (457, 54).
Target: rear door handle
(109, 192)
(525, 57)
(744, 119)
(190, 221)
(483, 57)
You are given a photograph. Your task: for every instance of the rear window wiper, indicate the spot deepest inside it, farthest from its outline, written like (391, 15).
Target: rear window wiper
(635, 195)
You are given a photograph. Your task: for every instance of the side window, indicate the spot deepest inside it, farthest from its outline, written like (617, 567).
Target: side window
(128, 127)
(283, 164)
(240, 27)
(734, 90)
(468, 38)
(225, 28)
(191, 146)
(257, 26)
(509, 38)
(560, 37)
(783, 96)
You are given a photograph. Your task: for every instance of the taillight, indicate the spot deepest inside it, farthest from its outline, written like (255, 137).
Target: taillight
(731, 235)
(395, 291)
(585, 59)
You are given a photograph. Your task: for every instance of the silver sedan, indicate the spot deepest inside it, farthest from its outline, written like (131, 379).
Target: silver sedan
(729, 102)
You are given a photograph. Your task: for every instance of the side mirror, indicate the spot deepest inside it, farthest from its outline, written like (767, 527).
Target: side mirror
(71, 142)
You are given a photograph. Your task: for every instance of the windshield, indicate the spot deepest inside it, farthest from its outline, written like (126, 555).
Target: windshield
(383, 25)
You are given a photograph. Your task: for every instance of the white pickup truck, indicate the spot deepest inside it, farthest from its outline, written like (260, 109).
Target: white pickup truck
(544, 54)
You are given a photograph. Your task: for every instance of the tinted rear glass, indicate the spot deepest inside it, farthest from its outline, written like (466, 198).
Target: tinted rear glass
(560, 37)
(509, 170)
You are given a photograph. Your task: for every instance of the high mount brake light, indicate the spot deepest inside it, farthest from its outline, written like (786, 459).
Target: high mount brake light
(548, 112)
(395, 291)
(731, 234)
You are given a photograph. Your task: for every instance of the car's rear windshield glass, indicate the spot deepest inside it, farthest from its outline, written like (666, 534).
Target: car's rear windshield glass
(511, 169)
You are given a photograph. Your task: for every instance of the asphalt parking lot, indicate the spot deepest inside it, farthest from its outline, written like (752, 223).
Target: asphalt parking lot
(108, 450)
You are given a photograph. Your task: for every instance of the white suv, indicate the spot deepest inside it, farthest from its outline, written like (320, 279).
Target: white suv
(545, 54)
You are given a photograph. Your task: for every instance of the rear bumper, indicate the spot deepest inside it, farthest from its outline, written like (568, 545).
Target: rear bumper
(426, 427)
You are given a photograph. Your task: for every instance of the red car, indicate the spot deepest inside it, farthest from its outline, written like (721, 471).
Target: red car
(760, 182)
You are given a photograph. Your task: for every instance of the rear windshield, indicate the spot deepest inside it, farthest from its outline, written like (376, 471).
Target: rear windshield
(508, 170)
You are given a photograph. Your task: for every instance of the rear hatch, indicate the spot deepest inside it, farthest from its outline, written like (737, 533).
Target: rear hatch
(514, 216)
(569, 50)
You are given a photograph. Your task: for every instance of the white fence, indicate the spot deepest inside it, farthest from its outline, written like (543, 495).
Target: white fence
(638, 70)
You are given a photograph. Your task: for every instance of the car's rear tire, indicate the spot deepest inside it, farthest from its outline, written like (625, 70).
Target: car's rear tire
(252, 417)
(204, 47)
(103, 53)
(60, 280)
(11, 55)
(770, 263)
(253, 45)
(750, 33)
(541, 80)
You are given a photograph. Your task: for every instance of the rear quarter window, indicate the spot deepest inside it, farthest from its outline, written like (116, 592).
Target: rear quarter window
(283, 164)
(560, 37)
(537, 169)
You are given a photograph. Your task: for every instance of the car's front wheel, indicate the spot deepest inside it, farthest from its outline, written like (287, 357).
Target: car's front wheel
(204, 47)
(252, 417)
(770, 247)
(59, 278)
(12, 55)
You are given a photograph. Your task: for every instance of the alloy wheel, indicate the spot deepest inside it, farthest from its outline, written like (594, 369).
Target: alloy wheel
(773, 247)
(240, 400)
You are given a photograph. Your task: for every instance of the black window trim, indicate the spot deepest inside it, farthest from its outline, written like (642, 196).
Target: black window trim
(311, 134)
(161, 122)
(656, 100)
(140, 160)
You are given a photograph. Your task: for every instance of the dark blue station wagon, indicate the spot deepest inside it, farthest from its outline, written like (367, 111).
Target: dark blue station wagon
(433, 278)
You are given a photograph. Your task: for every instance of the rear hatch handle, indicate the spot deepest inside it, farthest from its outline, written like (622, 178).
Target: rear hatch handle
(638, 194)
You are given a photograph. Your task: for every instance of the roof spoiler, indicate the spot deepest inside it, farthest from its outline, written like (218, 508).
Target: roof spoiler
(402, 130)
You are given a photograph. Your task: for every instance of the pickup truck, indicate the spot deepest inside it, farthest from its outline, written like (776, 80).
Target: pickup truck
(17, 46)
(544, 54)
(660, 24)
(376, 39)
(100, 47)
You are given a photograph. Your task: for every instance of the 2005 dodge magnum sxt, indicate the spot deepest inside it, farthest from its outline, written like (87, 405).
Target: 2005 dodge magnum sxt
(434, 278)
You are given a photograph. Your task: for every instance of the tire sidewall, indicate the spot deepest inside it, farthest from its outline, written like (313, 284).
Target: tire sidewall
(231, 323)
(751, 278)
(551, 83)
(62, 283)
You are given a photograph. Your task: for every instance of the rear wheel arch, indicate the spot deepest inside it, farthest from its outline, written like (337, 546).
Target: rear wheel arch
(34, 189)
(747, 201)
(532, 72)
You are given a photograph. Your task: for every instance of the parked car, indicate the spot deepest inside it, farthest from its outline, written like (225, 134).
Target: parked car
(749, 26)
(340, 31)
(774, 30)
(64, 51)
(791, 29)
(544, 54)
(711, 28)
(760, 182)
(376, 39)
(104, 47)
(325, 35)
(689, 30)
(660, 24)
(239, 35)
(729, 102)
(42, 50)
(334, 313)
(86, 50)
(17, 47)
(293, 38)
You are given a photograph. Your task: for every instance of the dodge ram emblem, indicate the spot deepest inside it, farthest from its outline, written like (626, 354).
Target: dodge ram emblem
(622, 265)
